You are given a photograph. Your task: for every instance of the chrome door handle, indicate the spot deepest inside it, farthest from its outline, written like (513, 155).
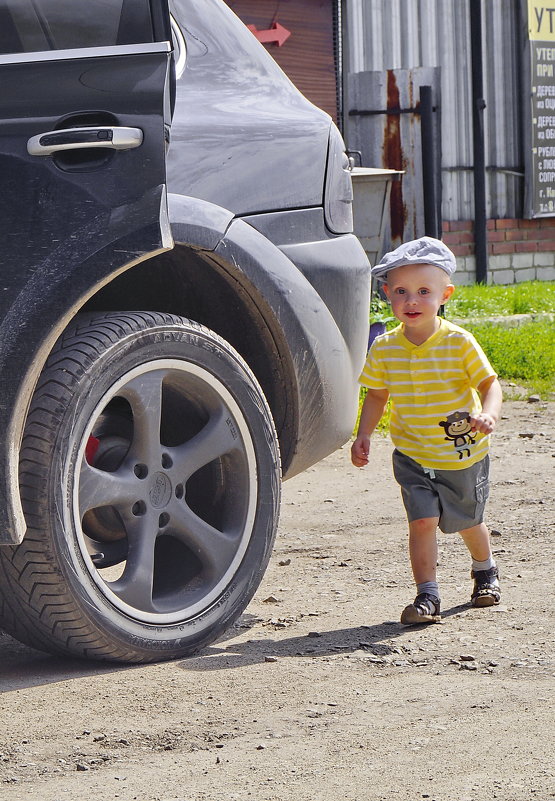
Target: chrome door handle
(113, 137)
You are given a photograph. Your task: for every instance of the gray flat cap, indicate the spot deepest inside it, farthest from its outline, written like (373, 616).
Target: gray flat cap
(425, 250)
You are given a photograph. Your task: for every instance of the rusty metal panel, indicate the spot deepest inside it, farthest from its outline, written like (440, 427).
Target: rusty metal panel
(387, 133)
(382, 35)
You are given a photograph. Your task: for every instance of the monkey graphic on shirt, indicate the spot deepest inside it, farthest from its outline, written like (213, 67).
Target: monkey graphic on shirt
(459, 431)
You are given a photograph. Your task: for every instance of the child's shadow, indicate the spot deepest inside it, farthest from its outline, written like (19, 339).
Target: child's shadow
(377, 640)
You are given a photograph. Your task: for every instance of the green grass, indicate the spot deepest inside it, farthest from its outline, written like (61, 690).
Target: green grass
(524, 354)
(478, 300)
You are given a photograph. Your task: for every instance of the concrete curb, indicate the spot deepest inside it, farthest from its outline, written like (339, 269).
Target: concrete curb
(509, 321)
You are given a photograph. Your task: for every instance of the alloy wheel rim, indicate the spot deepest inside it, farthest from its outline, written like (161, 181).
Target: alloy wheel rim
(186, 509)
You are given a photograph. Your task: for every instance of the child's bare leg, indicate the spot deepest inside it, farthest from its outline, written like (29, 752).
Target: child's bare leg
(477, 541)
(486, 590)
(423, 548)
(423, 559)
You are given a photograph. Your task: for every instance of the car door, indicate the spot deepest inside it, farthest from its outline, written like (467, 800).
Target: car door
(85, 115)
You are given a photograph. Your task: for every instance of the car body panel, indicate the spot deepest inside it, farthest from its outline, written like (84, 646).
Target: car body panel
(197, 223)
(336, 266)
(326, 366)
(232, 91)
(69, 226)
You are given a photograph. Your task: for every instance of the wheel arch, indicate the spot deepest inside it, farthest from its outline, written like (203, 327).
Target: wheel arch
(212, 291)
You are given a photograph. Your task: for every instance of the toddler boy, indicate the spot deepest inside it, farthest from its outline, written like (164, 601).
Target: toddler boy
(445, 402)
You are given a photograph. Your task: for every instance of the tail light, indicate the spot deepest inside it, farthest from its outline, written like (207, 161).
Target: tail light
(338, 190)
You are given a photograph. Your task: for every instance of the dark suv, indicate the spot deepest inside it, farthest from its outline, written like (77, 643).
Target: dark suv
(184, 316)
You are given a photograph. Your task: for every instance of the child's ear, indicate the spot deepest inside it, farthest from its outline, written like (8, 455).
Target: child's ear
(449, 289)
(385, 289)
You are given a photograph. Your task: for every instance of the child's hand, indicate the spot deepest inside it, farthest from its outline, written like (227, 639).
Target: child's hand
(483, 422)
(491, 396)
(360, 450)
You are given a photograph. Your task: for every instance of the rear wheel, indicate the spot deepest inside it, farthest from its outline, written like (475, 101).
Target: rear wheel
(150, 481)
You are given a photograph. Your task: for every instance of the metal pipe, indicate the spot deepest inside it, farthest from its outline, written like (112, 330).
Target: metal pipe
(429, 163)
(478, 106)
(338, 46)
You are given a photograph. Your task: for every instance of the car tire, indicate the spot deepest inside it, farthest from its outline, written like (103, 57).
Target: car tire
(150, 483)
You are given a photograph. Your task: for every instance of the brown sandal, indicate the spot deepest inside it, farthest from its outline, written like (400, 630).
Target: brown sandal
(486, 590)
(424, 609)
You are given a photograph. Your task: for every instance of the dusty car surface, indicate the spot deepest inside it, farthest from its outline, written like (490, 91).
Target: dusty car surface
(184, 316)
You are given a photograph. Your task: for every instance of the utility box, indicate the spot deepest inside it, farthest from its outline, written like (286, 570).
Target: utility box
(371, 193)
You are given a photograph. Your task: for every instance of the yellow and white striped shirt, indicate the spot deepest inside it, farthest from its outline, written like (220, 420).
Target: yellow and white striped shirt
(432, 389)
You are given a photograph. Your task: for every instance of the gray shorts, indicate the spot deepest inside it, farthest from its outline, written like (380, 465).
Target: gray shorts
(456, 497)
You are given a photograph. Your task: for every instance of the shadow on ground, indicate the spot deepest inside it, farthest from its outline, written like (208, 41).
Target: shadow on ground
(22, 667)
(379, 639)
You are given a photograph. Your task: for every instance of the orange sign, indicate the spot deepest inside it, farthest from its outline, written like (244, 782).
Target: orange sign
(276, 34)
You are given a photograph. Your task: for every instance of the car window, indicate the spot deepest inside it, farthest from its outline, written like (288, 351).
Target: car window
(39, 25)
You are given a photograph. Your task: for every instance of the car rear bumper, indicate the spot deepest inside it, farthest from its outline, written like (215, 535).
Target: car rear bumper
(318, 291)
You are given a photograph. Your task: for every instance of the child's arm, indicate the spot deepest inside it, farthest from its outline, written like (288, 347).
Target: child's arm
(370, 415)
(492, 398)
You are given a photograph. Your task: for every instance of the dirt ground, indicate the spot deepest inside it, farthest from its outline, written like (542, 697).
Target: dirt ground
(318, 693)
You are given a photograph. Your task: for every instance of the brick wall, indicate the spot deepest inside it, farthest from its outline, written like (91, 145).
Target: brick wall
(518, 250)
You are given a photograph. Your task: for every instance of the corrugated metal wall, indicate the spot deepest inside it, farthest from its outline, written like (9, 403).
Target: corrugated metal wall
(403, 34)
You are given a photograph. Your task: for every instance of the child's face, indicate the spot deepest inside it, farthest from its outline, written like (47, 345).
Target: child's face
(416, 291)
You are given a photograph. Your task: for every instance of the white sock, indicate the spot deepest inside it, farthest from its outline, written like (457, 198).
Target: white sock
(487, 564)
(431, 587)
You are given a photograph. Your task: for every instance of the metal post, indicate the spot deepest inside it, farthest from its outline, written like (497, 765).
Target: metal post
(338, 43)
(478, 106)
(429, 163)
